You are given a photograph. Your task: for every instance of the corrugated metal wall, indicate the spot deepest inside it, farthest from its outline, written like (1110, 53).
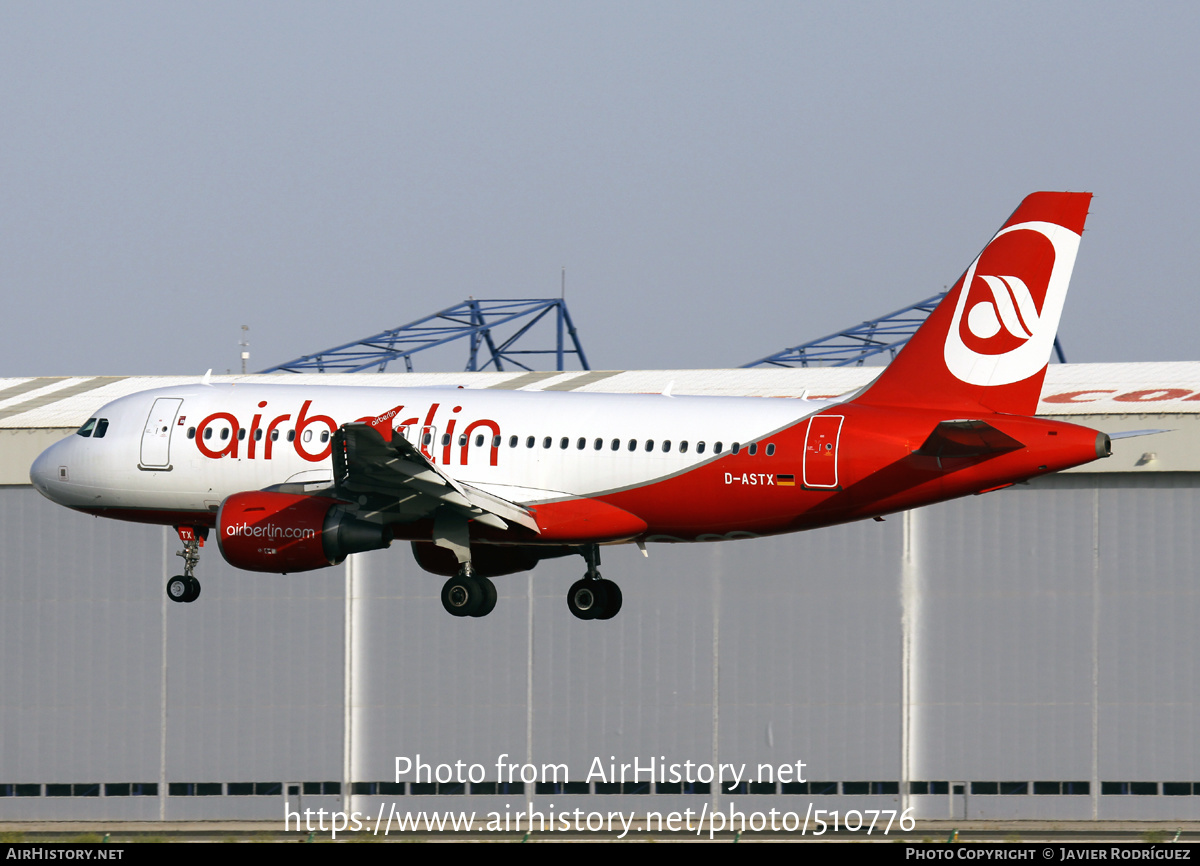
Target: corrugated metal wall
(1041, 634)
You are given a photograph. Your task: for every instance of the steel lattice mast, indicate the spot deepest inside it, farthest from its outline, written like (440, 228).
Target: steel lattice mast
(477, 321)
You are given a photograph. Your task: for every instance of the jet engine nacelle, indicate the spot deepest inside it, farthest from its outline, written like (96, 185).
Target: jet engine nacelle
(284, 532)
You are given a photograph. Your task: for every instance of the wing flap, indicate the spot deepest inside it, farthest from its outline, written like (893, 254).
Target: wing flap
(364, 462)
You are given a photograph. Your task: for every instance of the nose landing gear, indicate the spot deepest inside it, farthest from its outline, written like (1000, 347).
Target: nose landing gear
(592, 596)
(184, 587)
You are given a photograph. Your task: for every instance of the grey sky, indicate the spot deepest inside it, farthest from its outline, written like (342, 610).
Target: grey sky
(720, 180)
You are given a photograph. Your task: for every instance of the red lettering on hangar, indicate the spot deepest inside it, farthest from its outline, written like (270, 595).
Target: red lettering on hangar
(1148, 395)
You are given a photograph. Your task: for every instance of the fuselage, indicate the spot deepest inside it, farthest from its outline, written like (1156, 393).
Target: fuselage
(690, 468)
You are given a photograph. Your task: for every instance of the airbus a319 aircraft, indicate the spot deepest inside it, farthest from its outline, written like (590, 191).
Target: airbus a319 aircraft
(486, 483)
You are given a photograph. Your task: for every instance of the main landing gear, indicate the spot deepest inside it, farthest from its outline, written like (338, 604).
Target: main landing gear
(592, 596)
(184, 587)
(468, 594)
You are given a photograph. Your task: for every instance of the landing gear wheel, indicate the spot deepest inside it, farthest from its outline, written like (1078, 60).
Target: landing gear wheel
(612, 602)
(178, 589)
(587, 598)
(193, 589)
(463, 595)
(488, 604)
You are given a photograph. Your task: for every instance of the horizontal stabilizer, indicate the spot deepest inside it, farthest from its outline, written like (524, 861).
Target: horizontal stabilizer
(1129, 434)
(967, 439)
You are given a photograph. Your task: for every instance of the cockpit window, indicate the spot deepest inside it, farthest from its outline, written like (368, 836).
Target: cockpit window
(101, 428)
(86, 430)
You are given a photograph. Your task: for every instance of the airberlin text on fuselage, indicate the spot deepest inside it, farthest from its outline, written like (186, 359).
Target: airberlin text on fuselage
(261, 435)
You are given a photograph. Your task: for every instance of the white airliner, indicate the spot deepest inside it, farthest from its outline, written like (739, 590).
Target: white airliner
(485, 483)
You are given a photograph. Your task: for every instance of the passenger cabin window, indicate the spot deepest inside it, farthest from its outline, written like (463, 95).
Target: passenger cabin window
(633, 445)
(495, 441)
(699, 447)
(241, 433)
(512, 441)
(753, 448)
(101, 428)
(191, 434)
(649, 444)
(564, 442)
(224, 433)
(479, 440)
(683, 447)
(716, 448)
(529, 442)
(666, 446)
(581, 444)
(86, 430)
(546, 442)
(462, 439)
(324, 435)
(616, 445)
(207, 432)
(735, 448)
(274, 435)
(258, 435)
(770, 449)
(598, 444)
(291, 437)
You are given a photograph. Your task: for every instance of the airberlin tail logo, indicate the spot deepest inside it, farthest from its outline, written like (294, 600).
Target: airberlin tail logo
(1009, 304)
(1012, 308)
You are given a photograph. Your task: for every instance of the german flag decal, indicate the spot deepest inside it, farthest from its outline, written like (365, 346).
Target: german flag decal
(785, 480)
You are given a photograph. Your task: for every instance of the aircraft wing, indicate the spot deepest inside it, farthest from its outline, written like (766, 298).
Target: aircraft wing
(967, 439)
(365, 463)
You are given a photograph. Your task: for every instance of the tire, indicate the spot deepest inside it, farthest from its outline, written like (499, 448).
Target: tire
(178, 589)
(489, 597)
(612, 601)
(193, 589)
(587, 598)
(462, 596)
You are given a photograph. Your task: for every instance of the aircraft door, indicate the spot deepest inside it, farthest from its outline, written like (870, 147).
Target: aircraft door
(156, 438)
(821, 450)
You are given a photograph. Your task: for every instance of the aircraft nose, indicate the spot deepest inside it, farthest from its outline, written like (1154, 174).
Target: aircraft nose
(46, 473)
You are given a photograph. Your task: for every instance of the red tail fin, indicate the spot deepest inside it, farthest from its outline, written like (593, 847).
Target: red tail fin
(987, 344)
